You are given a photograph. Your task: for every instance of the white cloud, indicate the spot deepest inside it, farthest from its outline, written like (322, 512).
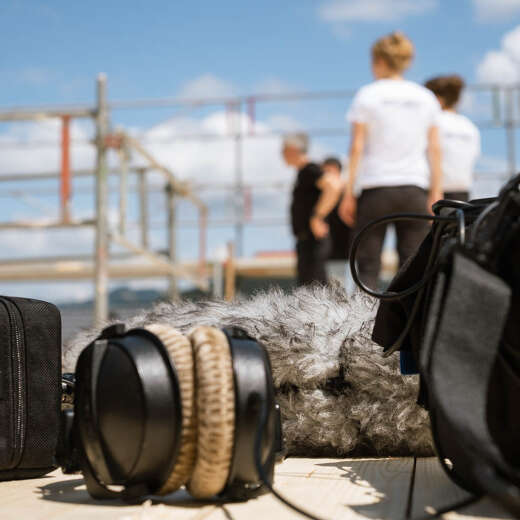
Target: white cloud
(498, 67)
(44, 158)
(373, 10)
(511, 44)
(496, 10)
(502, 66)
(262, 161)
(207, 86)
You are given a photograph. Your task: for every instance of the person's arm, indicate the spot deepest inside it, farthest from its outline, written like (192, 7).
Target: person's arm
(330, 186)
(347, 210)
(434, 158)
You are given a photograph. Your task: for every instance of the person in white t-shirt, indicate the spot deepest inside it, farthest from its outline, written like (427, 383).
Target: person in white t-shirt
(459, 137)
(394, 161)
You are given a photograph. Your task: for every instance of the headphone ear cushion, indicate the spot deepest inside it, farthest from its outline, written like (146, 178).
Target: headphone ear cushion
(215, 411)
(179, 349)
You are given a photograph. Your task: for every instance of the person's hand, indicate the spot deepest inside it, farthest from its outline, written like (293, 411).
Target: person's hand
(347, 209)
(319, 228)
(433, 197)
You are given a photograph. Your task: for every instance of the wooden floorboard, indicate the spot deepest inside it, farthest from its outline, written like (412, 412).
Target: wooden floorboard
(339, 489)
(335, 489)
(64, 497)
(434, 490)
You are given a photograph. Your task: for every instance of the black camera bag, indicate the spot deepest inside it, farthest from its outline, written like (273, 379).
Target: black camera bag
(453, 313)
(30, 387)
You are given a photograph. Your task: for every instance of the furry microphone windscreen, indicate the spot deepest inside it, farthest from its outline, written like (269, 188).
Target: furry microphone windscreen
(337, 394)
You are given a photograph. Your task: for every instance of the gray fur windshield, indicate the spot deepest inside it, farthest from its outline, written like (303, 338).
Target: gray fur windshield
(337, 394)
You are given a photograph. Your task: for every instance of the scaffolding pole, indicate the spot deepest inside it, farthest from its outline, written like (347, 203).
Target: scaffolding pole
(65, 169)
(173, 291)
(123, 189)
(235, 114)
(40, 114)
(510, 132)
(101, 255)
(239, 196)
(143, 207)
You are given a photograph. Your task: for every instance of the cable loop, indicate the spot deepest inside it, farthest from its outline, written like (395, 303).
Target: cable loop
(390, 295)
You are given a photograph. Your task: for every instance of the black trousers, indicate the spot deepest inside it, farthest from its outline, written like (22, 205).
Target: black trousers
(457, 195)
(311, 257)
(379, 202)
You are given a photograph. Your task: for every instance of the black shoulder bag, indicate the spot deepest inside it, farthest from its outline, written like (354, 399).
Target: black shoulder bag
(453, 313)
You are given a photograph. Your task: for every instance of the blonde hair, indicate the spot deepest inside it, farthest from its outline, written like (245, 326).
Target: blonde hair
(395, 49)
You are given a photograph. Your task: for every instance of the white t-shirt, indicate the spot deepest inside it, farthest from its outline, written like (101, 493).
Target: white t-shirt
(460, 145)
(398, 114)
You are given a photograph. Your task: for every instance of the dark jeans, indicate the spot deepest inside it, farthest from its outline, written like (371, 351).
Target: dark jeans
(379, 202)
(457, 195)
(311, 257)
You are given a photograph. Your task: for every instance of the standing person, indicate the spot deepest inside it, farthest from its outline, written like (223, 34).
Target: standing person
(459, 137)
(313, 198)
(394, 137)
(340, 233)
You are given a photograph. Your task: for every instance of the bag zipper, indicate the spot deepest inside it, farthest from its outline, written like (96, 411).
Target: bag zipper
(18, 356)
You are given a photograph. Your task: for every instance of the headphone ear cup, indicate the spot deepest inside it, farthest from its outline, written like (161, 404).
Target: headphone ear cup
(180, 351)
(215, 397)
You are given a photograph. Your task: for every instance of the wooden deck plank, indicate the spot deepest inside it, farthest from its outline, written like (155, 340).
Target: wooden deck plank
(331, 488)
(339, 489)
(433, 489)
(62, 497)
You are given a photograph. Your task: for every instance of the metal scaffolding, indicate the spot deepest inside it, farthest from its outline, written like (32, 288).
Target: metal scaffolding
(124, 145)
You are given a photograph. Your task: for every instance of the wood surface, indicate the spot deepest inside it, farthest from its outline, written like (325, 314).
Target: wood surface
(337, 489)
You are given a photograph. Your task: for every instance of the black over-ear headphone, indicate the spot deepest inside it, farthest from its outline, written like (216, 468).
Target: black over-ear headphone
(155, 410)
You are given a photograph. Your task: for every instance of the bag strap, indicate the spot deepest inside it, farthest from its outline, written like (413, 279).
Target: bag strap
(461, 343)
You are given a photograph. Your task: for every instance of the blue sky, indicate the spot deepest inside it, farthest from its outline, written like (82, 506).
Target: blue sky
(54, 49)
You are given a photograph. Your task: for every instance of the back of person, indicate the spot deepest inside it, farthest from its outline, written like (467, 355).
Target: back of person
(394, 159)
(340, 233)
(398, 114)
(459, 137)
(314, 197)
(305, 195)
(460, 143)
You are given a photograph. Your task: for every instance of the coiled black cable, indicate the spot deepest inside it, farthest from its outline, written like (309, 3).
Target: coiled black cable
(391, 295)
(437, 235)
(261, 471)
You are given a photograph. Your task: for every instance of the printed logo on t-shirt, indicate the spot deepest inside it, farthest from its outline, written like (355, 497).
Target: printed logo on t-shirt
(461, 137)
(402, 103)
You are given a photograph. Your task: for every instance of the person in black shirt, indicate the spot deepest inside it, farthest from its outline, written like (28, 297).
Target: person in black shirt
(340, 233)
(314, 196)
